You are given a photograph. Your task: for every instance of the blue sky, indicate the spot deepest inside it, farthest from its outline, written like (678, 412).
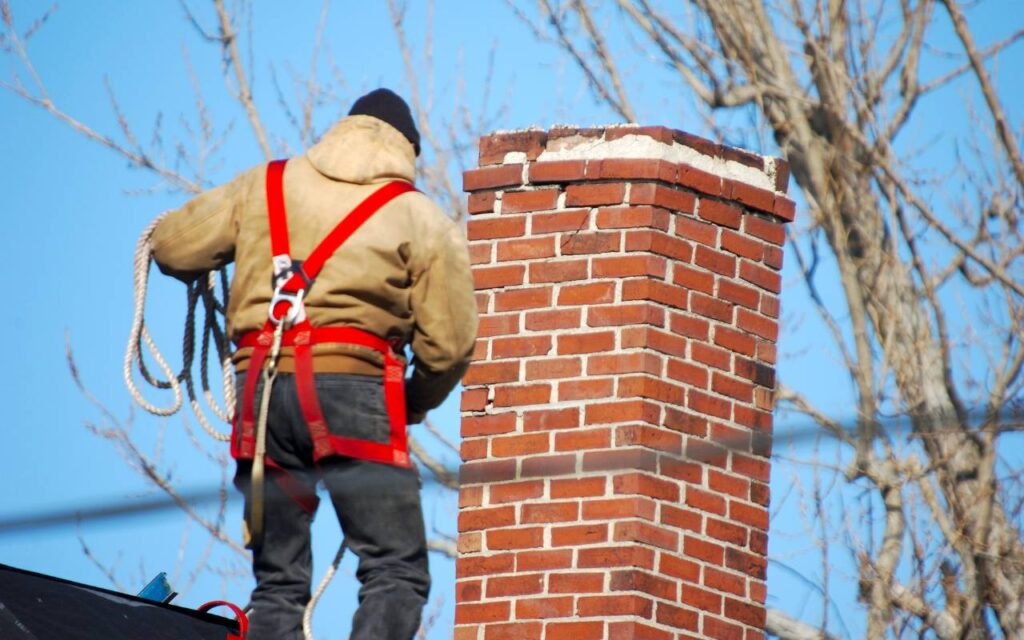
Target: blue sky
(72, 212)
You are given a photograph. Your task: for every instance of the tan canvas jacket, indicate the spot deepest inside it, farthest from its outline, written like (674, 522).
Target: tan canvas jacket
(404, 274)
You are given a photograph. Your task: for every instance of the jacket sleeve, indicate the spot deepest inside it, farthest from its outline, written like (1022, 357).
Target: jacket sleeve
(200, 236)
(444, 310)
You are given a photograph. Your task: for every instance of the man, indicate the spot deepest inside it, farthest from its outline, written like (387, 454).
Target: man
(401, 277)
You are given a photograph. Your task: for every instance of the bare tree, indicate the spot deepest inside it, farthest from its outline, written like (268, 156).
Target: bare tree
(920, 252)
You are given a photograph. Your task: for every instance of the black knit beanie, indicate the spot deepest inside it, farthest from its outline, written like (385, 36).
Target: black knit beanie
(386, 105)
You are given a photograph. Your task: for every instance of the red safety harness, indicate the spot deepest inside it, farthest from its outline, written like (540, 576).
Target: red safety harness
(292, 280)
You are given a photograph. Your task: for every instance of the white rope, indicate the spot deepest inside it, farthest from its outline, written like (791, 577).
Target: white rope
(307, 616)
(203, 289)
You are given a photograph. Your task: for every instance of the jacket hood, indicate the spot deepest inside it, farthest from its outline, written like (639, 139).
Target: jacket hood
(362, 149)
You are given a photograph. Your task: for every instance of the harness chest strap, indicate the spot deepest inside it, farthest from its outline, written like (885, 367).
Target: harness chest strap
(294, 279)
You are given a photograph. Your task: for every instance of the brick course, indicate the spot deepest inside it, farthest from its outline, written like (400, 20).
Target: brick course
(616, 420)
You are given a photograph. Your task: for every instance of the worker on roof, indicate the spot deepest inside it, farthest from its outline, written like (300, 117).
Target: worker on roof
(400, 277)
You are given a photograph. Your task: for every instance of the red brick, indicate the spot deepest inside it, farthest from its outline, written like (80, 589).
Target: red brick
(705, 501)
(557, 171)
(738, 389)
(539, 608)
(559, 271)
(520, 201)
(574, 631)
(721, 630)
(706, 452)
(740, 294)
(753, 468)
(474, 566)
(756, 372)
(754, 566)
(633, 630)
(727, 582)
(619, 459)
(587, 243)
(711, 356)
(700, 598)
(751, 515)
(519, 299)
(760, 494)
(700, 304)
(498, 325)
(585, 389)
(578, 440)
(676, 616)
(659, 243)
(758, 593)
(770, 306)
(639, 531)
(615, 508)
(520, 347)
(699, 232)
(742, 246)
(649, 387)
(726, 532)
(494, 147)
(766, 230)
(491, 228)
(625, 314)
(624, 168)
(761, 199)
(645, 485)
(474, 400)
(546, 466)
(513, 631)
(717, 261)
(744, 612)
(574, 220)
(604, 606)
(576, 582)
(689, 326)
(481, 202)
(480, 252)
(656, 291)
(658, 340)
(773, 257)
(631, 555)
(693, 279)
(488, 425)
(553, 368)
(577, 535)
(677, 567)
(519, 395)
(662, 196)
(491, 372)
(663, 135)
(685, 422)
(471, 496)
(632, 218)
(687, 373)
(489, 518)
(469, 612)
(593, 293)
(589, 195)
(628, 411)
(526, 249)
(634, 580)
(550, 512)
(578, 488)
(515, 491)
(518, 585)
(514, 539)
(684, 519)
(701, 550)
(554, 319)
(767, 328)
(468, 590)
(630, 266)
(586, 342)
(492, 177)
(635, 362)
(549, 419)
(546, 560)
(699, 180)
(520, 445)
(726, 484)
(721, 213)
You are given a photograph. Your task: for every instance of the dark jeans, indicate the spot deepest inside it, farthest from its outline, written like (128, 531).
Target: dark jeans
(378, 507)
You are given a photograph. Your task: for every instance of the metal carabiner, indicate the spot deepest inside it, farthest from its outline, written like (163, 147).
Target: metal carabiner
(296, 310)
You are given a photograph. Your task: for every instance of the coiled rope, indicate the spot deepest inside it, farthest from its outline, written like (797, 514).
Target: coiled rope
(202, 289)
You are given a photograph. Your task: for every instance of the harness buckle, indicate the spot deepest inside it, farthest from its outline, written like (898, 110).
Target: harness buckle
(296, 311)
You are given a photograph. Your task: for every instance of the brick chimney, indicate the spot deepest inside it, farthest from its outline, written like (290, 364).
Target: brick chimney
(617, 418)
